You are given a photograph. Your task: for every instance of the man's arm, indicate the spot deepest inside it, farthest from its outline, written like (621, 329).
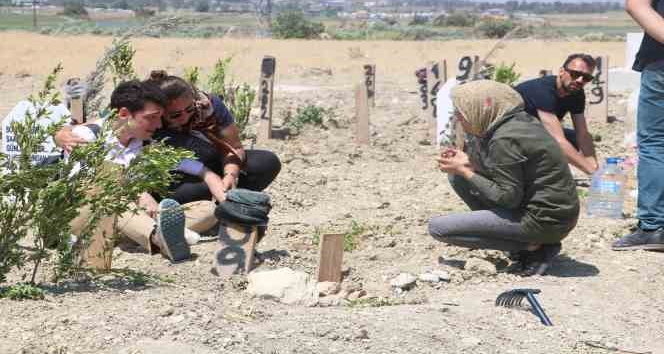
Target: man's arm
(553, 126)
(643, 13)
(584, 140)
(66, 139)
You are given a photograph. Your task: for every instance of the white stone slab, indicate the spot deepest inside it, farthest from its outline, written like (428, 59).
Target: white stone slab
(18, 113)
(445, 109)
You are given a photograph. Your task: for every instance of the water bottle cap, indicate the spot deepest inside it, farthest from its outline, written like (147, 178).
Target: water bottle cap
(612, 160)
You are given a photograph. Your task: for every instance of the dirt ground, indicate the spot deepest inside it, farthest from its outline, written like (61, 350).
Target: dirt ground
(600, 301)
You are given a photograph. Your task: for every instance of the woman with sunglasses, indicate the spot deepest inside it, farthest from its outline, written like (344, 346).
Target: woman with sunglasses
(200, 122)
(551, 97)
(519, 186)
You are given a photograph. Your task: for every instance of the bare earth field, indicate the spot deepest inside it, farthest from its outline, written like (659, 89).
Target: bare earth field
(600, 301)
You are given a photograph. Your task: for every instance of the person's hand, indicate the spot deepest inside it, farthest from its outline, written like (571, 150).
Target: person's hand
(229, 181)
(149, 204)
(215, 185)
(454, 161)
(67, 140)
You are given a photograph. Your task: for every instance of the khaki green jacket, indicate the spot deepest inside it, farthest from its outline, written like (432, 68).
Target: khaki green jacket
(522, 167)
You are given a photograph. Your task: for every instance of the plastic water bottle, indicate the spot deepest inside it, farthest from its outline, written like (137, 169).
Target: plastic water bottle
(607, 190)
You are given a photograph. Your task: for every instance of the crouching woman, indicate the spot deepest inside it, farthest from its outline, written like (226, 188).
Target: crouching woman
(518, 186)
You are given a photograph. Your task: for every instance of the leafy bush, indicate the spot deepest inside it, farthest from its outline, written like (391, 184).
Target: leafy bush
(22, 292)
(75, 8)
(120, 63)
(418, 20)
(293, 24)
(505, 74)
(495, 28)
(307, 115)
(192, 75)
(202, 6)
(238, 97)
(455, 19)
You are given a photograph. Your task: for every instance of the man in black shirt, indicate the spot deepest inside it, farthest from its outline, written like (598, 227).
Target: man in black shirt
(649, 14)
(551, 97)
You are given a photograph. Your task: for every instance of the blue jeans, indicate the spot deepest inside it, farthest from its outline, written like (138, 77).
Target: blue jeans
(650, 140)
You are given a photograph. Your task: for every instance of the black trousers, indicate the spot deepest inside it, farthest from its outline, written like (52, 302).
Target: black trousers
(261, 168)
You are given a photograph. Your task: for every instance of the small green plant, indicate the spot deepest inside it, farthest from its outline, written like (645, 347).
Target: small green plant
(374, 301)
(192, 75)
(495, 28)
(293, 24)
(352, 237)
(121, 63)
(22, 291)
(307, 115)
(505, 74)
(238, 97)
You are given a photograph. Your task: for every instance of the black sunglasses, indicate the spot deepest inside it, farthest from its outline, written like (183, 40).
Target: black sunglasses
(190, 109)
(577, 74)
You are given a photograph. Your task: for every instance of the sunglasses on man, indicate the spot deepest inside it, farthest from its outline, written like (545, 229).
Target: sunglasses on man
(574, 74)
(177, 114)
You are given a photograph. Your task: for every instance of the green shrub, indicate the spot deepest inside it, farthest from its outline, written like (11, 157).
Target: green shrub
(192, 75)
(505, 74)
(293, 24)
(455, 19)
(307, 115)
(75, 8)
(202, 6)
(495, 28)
(22, 292)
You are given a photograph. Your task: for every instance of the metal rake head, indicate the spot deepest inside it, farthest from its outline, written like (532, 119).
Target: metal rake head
(514, 298)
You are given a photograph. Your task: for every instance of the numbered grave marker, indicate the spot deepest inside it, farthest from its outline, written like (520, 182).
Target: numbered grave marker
(236, 251)
(597, 91)
(436, 76)
(265, 94)
(361, 115)
(468, 68)
(370, 83)
(18, 113)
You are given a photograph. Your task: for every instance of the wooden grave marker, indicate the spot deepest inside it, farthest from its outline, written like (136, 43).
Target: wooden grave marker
(370, 83)
(436, 76)
(236, 249)
(76, 109)
(330, 257)
(265, 97)
(597, 94)
(468, 68)
(361, 115)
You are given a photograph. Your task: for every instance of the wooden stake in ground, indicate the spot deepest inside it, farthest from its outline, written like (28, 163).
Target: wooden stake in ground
(370, 83)
(330, 257)
(361, 115)
(436, 76)
(99, 253)
(468, 68)
(266, 85)
(236, 251)
(597, 93)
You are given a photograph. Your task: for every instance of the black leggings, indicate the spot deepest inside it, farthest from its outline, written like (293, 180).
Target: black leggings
(261, 169)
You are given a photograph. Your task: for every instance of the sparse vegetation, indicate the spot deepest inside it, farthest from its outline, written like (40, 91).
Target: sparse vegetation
(22, 291)
(505, 73)
(351, 237)
(495, 28)
(307, 115)
(294, 24)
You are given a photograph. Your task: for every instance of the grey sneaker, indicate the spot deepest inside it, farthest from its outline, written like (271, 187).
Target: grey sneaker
(170, 231)
(641, 240)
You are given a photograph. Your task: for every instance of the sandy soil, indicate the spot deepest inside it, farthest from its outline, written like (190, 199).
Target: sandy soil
(596, 298)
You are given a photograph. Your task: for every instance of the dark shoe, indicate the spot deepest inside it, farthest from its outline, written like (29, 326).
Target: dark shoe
(641, 240)
(539, 261)
(170, 231)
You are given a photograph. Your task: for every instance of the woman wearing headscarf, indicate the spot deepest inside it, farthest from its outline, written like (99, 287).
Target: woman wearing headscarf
(519, 186)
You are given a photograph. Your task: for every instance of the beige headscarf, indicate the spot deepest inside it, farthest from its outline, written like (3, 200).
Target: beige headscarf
(484, 103)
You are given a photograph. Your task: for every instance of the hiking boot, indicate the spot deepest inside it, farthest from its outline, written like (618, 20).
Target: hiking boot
(539, 261)
(641, 240)
(170, 231)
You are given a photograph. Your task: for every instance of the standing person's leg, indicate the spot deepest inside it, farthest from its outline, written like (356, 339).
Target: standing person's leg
(261, 168)
(650, 141)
